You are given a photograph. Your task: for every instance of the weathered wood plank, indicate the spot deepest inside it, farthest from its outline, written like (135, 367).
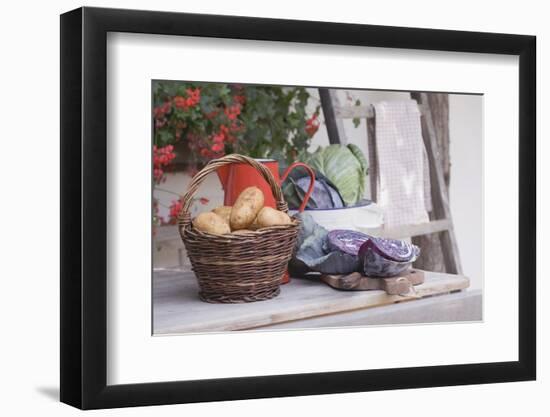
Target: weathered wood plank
(361, 112)
(177, 308)
(440, 199)
(463, 306)
(373, 158)
(335, 126)
(438, 106)
(409, 230)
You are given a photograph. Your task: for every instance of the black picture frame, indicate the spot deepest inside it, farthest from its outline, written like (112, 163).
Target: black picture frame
(84, 207)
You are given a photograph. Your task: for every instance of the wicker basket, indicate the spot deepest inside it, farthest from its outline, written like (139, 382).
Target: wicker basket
(238, 268)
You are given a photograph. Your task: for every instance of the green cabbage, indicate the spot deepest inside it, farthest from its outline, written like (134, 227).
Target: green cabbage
(345, 167)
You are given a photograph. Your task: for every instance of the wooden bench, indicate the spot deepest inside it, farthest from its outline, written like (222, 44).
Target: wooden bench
(309, 303)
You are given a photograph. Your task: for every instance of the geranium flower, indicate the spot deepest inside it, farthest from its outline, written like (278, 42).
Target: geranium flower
(312, 125)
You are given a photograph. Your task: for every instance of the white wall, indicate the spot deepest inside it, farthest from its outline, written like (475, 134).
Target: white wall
(29, 311)
(466, 186)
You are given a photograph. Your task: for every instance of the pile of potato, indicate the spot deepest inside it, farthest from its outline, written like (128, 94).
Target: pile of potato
(248, 213)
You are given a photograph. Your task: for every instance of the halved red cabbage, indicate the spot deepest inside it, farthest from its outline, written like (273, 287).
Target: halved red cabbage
(396, 250)
(345, 251)
(375, 265)
(347, 241)
(311, 254)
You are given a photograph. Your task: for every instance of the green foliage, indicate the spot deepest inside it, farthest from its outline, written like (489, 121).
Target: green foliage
(218, 118)
(275, 120)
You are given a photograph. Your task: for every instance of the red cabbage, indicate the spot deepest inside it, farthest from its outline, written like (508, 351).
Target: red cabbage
(311, 255)
(395, 250)
(376, 264)
(347, 241)
(345, 251)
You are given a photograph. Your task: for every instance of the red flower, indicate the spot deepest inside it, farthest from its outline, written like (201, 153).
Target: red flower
(217, 147)
(241, 99)
(312, 125)
(175, 209)
(158, 174)
(232, 111)
(180, 102)
(211, 115)
(236, 126)
(160, 111)
(218, 138)
(162, 158)
(193, 98)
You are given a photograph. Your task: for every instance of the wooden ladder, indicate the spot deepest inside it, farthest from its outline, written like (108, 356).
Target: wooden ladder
(440, 218)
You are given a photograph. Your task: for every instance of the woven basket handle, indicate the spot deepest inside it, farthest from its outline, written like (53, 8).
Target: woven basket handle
(184, 217)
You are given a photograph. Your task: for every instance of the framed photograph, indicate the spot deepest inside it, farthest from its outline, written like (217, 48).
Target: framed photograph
(260, 208)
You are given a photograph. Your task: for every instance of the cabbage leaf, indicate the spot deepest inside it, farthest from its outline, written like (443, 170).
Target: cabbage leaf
(345, 167)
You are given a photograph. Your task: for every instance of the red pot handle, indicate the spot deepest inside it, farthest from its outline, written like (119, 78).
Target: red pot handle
(311, 184)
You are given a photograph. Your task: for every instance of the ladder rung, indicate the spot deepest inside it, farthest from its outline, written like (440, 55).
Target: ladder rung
(361, 112)
(410, 230)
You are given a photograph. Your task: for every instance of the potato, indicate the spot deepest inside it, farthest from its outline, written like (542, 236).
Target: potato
(254, 225)
(246, 208)
(211, 223)
(224, 212)
(270, 217)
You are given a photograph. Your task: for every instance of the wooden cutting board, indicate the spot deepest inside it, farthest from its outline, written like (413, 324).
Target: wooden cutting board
(399, 285)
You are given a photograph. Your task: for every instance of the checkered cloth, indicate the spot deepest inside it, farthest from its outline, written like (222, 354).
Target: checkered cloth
(401, 163)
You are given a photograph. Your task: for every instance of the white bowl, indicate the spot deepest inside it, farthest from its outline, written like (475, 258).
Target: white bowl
(363, 216)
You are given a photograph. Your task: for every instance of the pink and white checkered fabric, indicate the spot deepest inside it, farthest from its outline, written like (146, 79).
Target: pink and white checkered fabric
(403, 179)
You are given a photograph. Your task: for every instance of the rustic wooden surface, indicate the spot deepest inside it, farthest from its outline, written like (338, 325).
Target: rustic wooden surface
(461, 306)
(177, 308)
